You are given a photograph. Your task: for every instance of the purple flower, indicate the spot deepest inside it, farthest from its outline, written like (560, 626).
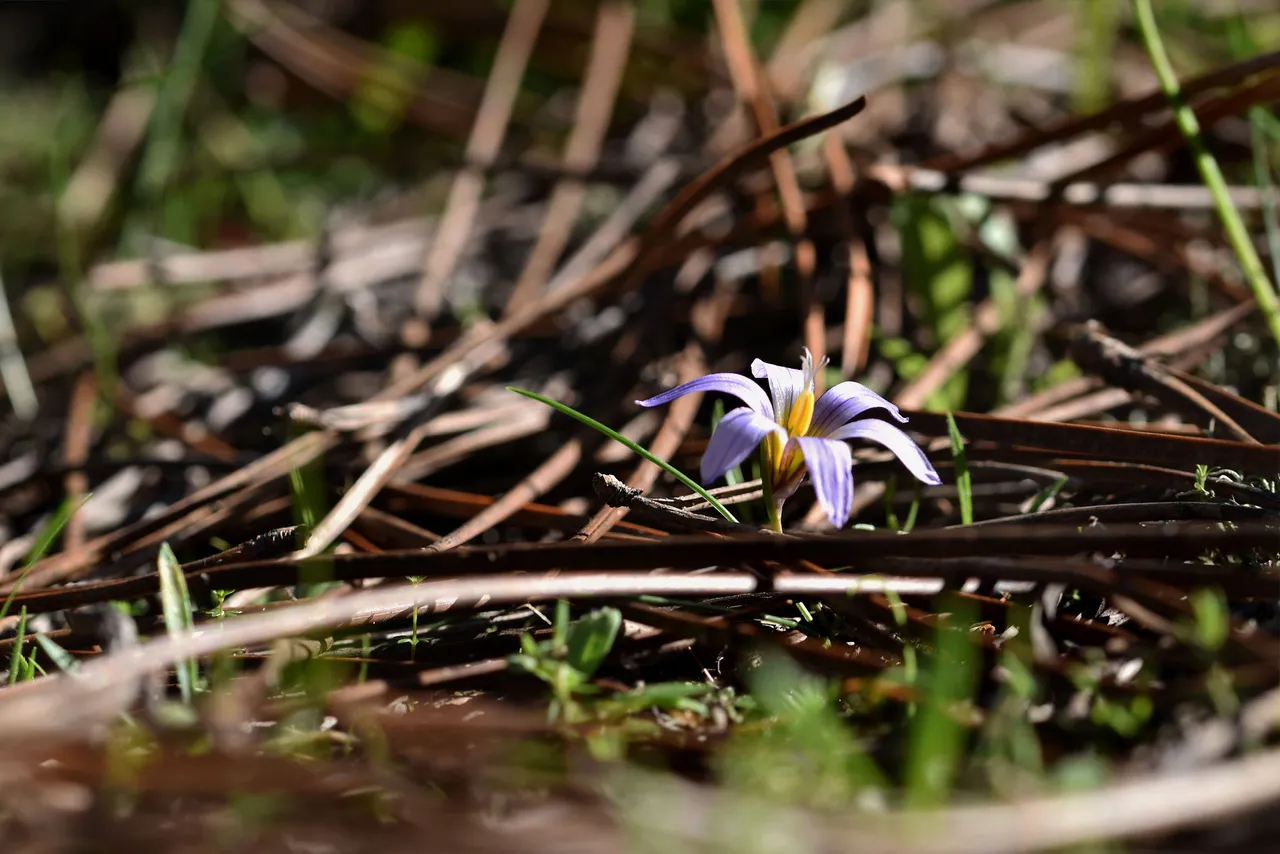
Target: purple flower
(800, 435)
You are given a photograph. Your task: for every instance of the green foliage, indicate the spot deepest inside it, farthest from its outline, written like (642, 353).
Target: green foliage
(1099, 23)
(939, 273)
(1058, 373)
(910, 671)
(387, 87)
(219, 609)
(590, 640)
(1008, 748)
(164, 137)
(179, 216)
(667, 696)
(938, 738)
(891, 516)
(939, 266)
(796, 747)
(1124, 716)
(570, 658)
(310, 679)
(128, 748)
(1210, 624)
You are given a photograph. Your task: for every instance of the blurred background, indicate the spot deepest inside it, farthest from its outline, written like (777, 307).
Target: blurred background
(209, 210)
(145, 129)
(225, 224)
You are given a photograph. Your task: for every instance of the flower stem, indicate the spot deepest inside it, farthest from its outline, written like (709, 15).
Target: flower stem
(772, 508)
(1237, 234)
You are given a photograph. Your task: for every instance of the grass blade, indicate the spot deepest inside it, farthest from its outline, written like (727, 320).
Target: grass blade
(59, 656)
(1210, 173)
(964, 483)
(43, 543)
(938, 738)
(19, 639)
(630, 445)
(175, 601)
(13, 370)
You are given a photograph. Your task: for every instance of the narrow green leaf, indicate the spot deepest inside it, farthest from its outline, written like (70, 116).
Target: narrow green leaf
(1232, 223)
(43, 543)
(630, 445)
(890, 495)
(914, 511)
(1046, 494)
(1262, 178)
(15, 658)
(668, 693)
(163, 148)
(964, 484)
(308, 490)
(59, 656)
(896, 608)
(175, 602)
(664, 695)
(560, 625)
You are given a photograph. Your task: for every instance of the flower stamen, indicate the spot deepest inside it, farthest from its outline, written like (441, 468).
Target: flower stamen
(812, 369)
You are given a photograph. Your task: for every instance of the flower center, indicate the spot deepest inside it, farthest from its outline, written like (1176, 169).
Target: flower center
(801, 414)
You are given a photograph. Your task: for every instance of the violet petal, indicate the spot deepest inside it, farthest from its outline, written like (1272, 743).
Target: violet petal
(844, 402)
(830, 466)
(737, 385)
(736, 436)
(785, 385)
(902, 445)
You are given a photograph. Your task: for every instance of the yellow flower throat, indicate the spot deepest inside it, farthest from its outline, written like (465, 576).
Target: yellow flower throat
(801, 415)
(798, 422)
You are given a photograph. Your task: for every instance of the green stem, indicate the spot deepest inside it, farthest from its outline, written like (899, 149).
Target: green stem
(1210, 173)
(772, 508)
